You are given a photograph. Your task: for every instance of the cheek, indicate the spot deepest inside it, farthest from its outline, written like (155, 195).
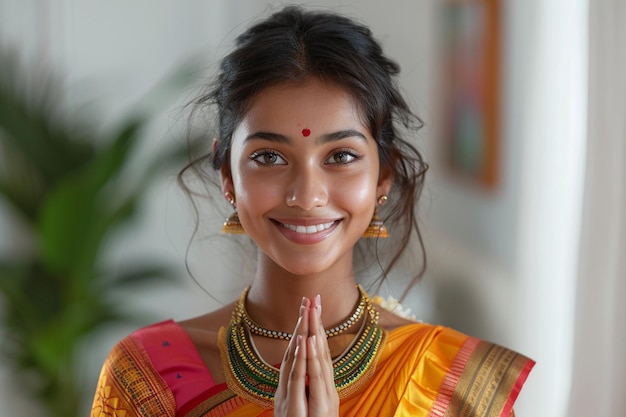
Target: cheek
(358, 191)
(255, 192)
(259, 194)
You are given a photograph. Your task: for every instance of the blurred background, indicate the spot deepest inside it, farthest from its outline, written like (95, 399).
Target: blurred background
(524, 212)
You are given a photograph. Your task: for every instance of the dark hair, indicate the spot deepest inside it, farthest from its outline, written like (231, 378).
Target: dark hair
(293, 45)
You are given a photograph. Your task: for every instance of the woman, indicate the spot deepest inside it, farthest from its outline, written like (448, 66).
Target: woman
(308, 149)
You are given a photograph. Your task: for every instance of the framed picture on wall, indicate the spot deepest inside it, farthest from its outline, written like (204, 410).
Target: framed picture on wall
(471, 90)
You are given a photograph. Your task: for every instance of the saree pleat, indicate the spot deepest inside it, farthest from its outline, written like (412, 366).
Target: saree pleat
(410, 370)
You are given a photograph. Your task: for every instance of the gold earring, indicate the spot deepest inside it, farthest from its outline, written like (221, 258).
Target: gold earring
(232, 225)
(376, 228)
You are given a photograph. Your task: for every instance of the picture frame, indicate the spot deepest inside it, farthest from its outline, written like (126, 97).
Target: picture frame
(471, 90)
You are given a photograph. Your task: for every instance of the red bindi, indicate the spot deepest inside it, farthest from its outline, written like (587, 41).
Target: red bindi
(306, 132)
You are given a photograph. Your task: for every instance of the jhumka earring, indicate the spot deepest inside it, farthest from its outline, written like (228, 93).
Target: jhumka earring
(232, 225)
(376, 228)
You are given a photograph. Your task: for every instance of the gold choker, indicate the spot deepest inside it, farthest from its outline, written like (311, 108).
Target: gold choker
(241, 311)
(250, 377)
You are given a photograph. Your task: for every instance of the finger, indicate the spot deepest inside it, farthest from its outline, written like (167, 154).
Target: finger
(305, 307)
(323, 357)
(297, 375)
(299, 329)
(317, 381)
(323, 398)
(315, 322)
(290, 398)
(288, 358)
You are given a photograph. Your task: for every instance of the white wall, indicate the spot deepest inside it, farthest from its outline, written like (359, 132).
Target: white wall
(505, 271)
(599, 374)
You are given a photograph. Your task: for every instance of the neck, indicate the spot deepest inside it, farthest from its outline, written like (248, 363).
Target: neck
(275, 295)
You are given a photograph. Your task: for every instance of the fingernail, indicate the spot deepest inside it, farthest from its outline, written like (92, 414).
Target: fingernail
(302, 306)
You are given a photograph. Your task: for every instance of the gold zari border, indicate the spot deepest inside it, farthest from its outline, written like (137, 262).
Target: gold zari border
(487, 382)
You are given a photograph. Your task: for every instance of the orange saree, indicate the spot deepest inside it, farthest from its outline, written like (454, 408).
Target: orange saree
(422, 371)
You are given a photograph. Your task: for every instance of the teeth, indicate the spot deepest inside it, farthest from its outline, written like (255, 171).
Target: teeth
(309, 229)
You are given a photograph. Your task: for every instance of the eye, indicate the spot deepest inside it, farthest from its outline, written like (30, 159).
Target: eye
(342, 157)
(268, 157)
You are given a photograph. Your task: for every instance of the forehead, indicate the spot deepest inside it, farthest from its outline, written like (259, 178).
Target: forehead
(312, 105)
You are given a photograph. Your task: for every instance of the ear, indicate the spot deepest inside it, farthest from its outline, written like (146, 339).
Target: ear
(226, 178)
(385, 181)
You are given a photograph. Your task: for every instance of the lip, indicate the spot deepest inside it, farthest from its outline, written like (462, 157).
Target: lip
(306, 231)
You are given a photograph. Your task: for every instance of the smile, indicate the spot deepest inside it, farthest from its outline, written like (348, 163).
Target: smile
(308, 229)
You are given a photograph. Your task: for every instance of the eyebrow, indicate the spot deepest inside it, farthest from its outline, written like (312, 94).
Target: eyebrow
(326, 138)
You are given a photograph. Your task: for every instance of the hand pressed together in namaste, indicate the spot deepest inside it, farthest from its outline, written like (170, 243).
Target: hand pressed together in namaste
(306, 386)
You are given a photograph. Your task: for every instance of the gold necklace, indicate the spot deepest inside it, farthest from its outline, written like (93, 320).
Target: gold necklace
(241, 310)
(250, 377)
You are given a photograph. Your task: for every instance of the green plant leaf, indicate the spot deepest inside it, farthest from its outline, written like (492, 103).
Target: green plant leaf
(19, 309)
(66, 222)
(20, 185)
(111, 159)
(30, 119)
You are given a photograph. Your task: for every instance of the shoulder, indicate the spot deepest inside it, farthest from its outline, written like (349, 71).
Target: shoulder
(453, 348)
(138, 352)
(135, 343)
(203, 330)
(130, 383)
(427, 335)
(212, 321)
(161, 345)
(194, 341)
(182, 336)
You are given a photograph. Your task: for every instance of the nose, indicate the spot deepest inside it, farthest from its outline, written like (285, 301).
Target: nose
(308, 189)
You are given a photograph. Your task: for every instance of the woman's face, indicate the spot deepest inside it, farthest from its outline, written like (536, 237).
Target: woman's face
(305, 173)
